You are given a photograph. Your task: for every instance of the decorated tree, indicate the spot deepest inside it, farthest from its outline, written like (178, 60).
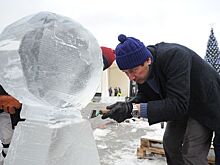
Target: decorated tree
(212, 53)
(216, 64)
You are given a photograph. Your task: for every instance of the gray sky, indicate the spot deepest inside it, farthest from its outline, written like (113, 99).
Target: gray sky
(187, 22)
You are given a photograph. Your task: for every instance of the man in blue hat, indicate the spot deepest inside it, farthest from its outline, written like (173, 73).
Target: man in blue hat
(177, 86)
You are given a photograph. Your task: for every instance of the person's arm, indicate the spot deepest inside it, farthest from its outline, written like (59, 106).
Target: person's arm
(176, 67)
(121, 111)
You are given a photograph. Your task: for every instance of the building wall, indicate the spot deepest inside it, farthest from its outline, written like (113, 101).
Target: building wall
(116, 78)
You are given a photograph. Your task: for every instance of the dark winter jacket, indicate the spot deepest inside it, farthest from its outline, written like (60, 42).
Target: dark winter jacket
(187, 86)
(2, 91)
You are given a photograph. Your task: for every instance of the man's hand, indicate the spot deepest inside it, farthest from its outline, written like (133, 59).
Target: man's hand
(9, 104)
(119, 111)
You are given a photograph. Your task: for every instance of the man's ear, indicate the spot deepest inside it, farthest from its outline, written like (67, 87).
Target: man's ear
(149, 61)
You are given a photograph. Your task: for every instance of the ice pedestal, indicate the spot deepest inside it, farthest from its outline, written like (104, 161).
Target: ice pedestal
(52, 65)
(64, 143)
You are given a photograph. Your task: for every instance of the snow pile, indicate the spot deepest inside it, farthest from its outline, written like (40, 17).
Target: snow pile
(117, 143)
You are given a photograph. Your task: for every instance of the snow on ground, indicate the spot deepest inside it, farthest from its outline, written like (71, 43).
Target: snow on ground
(117, 143)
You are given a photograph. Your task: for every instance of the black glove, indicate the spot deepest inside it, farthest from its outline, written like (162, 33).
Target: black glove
(119, 111)
(15, 118)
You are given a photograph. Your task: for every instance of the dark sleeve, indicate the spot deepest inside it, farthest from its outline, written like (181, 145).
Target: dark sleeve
(139, 98)
(176, 67)
(15, 118)
(2, 91)
(145, 94)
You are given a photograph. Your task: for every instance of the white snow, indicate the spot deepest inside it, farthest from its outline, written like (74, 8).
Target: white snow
(117, 143)
(100, 133)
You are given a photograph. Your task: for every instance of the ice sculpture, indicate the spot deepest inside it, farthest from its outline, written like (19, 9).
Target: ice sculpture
(52, 65)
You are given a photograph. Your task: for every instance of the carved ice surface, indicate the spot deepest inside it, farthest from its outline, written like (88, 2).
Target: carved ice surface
(53, 65)
(50, 60)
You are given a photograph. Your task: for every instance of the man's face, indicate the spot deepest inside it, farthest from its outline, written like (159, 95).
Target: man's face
(140, 73)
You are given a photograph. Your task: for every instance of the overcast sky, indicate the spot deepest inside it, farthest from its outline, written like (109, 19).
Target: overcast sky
(187, 22)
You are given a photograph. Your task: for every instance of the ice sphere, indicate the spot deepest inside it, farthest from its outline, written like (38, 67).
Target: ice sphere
(49, 60)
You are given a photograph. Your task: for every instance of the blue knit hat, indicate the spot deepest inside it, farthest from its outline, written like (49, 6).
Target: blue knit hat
(130, 52)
